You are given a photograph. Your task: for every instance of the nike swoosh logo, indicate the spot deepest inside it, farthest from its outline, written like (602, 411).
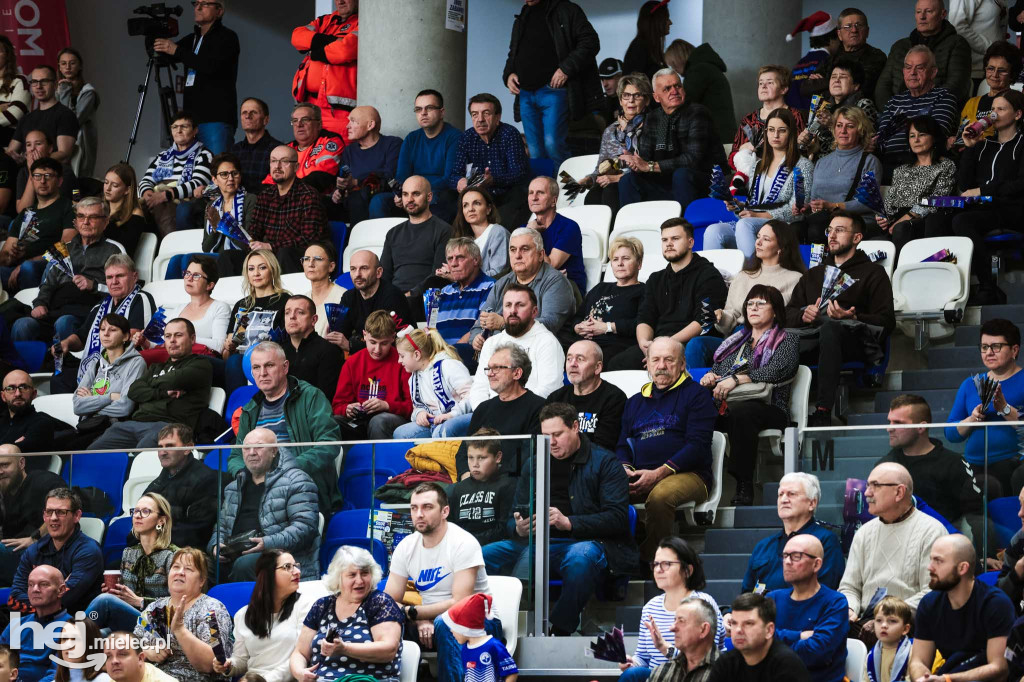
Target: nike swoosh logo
(429, 585)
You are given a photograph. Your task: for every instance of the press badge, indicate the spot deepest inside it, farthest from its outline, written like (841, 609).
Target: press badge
(190, 78)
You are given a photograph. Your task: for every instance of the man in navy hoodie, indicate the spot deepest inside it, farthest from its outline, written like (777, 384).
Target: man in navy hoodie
(665, 443)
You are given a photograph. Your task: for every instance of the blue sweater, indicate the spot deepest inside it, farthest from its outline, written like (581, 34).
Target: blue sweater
(670, 427)
(824, 652)
(35, 660)
(564, 234)
(80, 561)
(381, 159)
(765, 565)
(434, 158)
(1002, 442)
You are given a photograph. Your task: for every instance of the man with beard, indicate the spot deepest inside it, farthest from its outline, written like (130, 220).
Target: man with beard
(414, 250)
(679, 302)
(22, 425)
(854, 325)
(964, 619)
(665, 443)
(22, 495)
(810, 617)
(368, 294)
(446, 564)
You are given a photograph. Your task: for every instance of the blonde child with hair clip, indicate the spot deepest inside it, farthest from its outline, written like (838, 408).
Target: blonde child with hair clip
(438, 382)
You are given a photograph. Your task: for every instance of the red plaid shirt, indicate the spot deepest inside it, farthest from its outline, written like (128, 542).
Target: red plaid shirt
(295, 219)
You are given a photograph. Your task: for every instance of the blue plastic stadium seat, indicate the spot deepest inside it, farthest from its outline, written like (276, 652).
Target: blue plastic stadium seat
(376, 548)
(238, 398)
(540, 167)
(339, 235)
(707, 211)
(389, 456)
(1003, 512)
(33, 353)
(105, 471)
(115, 540)
(232, 595)
(357, 486)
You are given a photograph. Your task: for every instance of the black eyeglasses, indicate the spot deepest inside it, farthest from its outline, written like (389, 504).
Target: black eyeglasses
(655, 565)
(24, 388)
(797, 556)
(40, 81)
(141, 512)
(994, 347)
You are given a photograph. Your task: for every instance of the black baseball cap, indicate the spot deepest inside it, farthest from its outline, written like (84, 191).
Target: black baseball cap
(610, 67)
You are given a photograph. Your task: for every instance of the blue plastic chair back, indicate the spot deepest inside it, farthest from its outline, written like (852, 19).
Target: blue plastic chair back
(1003, 512)
(390, 456)
(5, 594)
(375, 547)
(115, 540)
(805, 253)
(232, 595)
(632, 520)
(106, 472)
(344, 280)
(708, 211)
(989, 577)
(210, 459)
(32, 353)
(357, 486)
(238, 398)
(339, 235)
(348, 523)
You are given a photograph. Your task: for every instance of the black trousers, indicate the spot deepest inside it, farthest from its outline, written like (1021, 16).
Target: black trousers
(742, 422)
(607, 196)
(837, 343)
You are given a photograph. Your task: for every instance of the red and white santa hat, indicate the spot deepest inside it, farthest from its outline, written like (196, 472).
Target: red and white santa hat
(818, 24)
(467, 616)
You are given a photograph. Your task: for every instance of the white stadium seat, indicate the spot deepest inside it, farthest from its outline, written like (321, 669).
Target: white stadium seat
(369, 235)
(175, 243)
(875, 245)
(930, 297)
(578, 167)
(650, 214)
(726, 260)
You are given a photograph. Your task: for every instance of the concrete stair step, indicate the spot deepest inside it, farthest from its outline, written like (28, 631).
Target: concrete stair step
(938, 398)
(725, 566)
(734, 540)
(914, 381)
(953, 357)
(724, 591)
(756, 517)
(967, 335)
(1011, 311)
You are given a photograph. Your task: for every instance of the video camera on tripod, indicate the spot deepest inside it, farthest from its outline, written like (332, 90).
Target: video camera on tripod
(158, 22)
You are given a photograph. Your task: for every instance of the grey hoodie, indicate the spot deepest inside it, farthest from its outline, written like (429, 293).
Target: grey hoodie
(120, 375)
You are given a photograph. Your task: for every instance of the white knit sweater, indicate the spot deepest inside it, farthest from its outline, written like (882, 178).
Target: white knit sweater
(893, 555)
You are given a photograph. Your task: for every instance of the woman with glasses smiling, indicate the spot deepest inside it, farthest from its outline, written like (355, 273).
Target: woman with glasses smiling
(267, 627)
(320, 265)
(1000, 347)
(679, 573)
(1002, 66)
(227, 200)
(144, 567)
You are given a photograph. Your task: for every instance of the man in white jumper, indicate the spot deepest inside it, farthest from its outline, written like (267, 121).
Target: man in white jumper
(891, 550)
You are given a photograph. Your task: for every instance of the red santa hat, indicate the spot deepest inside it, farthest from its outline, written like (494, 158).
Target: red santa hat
(818, 24)
(467, 616)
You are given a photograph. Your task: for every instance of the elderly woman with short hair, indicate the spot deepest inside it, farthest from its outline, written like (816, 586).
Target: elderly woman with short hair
(357, 630)
(634, 93)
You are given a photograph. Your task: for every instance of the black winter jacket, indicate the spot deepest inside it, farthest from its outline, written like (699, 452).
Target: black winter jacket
(871, 295)
(672, 300)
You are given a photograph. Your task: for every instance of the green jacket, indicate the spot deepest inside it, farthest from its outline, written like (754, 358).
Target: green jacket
(705, 82)
(193, 375)
(952, 56)
(309, 418)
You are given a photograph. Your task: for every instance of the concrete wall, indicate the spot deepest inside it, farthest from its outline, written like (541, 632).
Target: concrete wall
(889, 21)
(115, 64)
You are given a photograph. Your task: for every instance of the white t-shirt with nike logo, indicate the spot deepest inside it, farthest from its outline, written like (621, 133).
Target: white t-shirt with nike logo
(432, 569)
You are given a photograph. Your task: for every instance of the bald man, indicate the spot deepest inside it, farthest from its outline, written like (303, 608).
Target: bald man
(372, 162)
(415, 249)
(288, 216)
(810, 617)
(966, 620)
(600, 403)
(273, 501)
(45, 589)
(891, 550)
(21, 424)
(369, 293)
(22, 496)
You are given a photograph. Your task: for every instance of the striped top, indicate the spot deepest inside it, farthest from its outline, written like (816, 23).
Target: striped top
(646, 654)
(174, 160)
(939, 103)
(459, 309)
(18, 101)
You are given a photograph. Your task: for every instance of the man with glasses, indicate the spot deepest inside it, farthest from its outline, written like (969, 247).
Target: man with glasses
(210, 56)
(311, 358)
(253, 150)
(852, 326)
(35, 229)
(53, 118)
(798, 498)
(810, 617)
(176, 176)
(21, 424)
(674, 156)
(952, 55)
(288, 216)
(64, 301)
(186, 483)
(319, 150)
(271, 504)
(588, 519)
(853, 38)
(39, 145)
(22, 494)
(891, 550)
(371, 162)
(428, 151)
(65, 547)
(327, 75)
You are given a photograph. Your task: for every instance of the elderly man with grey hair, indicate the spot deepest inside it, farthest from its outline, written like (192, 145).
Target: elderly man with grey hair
(694, 633)
(891, 550)
(599, 402)
(674, 156)
(271, 504)
(798, 498)
(462, 300)
(63, 301)
(556, 300)
(563, 241)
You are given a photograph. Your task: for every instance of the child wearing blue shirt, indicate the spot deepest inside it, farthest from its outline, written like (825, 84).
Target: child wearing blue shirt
(889, 659)
(484, 659)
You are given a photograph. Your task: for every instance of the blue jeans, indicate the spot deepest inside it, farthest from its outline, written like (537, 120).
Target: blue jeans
(578, 564)
(217, 137)
(739, 235)
(456, 426)
(545, 114)
(111, 613)
(30, 275)
(700, 351)
(686, 186)
(412, 430)
(449, 651)
(29, 329)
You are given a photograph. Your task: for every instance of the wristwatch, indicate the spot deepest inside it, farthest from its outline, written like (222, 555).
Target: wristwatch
(650, 166)
(411, 612)
(608, 327)
(1006, 410)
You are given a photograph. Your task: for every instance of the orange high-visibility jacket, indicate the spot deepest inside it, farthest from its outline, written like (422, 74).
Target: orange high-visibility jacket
(327, 74)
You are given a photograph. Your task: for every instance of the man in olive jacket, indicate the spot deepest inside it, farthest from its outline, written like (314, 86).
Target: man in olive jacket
(174, 391)
(297, 412)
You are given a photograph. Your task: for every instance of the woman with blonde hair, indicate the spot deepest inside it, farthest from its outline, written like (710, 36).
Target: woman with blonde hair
(438, 382)
(121, 191)
(144, 567)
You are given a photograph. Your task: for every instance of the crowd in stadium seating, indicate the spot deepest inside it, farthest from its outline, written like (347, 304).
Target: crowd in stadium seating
(476, 315)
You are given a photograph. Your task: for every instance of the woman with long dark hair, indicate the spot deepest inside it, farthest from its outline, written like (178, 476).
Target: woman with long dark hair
(15, 99)
(761, 351)
(81, 98)
(478, 219)
(646, 54)
(266, 629)
(67, 669)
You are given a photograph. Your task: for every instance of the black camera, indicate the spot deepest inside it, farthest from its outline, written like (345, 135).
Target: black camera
(158, 22)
